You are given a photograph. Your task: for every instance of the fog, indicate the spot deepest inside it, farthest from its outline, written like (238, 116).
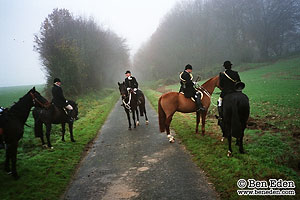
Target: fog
(134, 20)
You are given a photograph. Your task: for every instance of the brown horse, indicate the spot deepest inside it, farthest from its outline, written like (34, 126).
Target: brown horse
(171, 102)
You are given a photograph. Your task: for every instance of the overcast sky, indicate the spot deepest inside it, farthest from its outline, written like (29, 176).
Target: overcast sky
(134, 20)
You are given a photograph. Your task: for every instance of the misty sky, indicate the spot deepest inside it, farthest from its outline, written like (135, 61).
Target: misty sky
(134, 20)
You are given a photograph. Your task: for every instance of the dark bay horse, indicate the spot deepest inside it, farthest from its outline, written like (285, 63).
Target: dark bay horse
(13, 122)
(171, 102)
(236, 112)
(53, 115)
(131, 104)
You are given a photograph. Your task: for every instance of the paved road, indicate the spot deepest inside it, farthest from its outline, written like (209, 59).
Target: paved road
(137, 164)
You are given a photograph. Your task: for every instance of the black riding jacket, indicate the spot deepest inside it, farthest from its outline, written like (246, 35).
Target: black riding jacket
(226, 84)
(187, 85)
(58, 96)
(131, 83)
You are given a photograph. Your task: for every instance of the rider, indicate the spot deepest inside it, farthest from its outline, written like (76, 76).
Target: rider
(58, 98)
(228, 80)
(187, 87)
(132, 84)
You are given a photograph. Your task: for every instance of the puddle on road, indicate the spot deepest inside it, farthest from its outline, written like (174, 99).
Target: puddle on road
(119, 190)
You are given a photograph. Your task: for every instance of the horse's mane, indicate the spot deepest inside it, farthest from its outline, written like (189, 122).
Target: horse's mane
(19, 105)
(209, 80)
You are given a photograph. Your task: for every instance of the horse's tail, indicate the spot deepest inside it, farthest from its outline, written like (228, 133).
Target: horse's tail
(236, 125)
(161, 116)
(38, 124)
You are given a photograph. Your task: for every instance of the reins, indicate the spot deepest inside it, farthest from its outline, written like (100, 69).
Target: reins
(34, 99)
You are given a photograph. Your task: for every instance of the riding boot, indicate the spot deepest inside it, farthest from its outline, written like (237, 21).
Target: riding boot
(199, 106)
(69, 114)
(220, 118)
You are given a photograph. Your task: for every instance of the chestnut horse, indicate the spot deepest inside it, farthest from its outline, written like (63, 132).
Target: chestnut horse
(171, 102)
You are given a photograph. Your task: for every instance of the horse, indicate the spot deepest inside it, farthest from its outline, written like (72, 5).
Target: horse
(131, 104)
(236, 112)
(171, 102)
(13, 121)
(53, 115)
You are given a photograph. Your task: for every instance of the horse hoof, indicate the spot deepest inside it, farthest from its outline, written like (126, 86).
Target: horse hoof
(147, 122)
(242, 151)
(72, 140)
(129, 129)
(229, 154)
(9, 173)
(45, 146)
(137, 123)
(222, 139)
(63, 140)
(51, 148)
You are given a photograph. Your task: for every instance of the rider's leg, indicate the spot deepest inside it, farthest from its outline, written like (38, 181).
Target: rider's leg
(69, 112)
(199, 103)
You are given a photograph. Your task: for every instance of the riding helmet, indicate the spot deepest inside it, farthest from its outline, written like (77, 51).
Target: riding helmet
(56, 80)
(227, 64)
(188, 66)
(127, 72)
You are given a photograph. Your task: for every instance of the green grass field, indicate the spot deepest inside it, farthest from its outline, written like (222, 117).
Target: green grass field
(46, 173)
(271, 145)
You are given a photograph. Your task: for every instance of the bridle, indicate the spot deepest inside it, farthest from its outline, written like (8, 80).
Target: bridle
(35, 100)
(127, 105)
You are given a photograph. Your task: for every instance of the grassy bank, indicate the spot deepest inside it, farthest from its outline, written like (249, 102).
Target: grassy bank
(46, 173)
(271, 144)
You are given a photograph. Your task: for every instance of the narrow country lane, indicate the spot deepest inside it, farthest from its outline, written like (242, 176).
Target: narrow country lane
(137, 164)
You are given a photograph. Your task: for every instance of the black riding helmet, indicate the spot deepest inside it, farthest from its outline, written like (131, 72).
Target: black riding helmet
(227, 64)
(56, 80)
(188, 66)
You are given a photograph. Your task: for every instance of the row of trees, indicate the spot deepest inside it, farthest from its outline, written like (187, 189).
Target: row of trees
(79, 52)
(207, 32)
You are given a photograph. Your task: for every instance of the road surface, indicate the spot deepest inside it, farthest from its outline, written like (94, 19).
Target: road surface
(137, 164)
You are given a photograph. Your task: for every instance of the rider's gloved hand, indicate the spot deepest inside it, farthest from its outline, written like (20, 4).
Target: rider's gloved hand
(128, 89)
(135, 89)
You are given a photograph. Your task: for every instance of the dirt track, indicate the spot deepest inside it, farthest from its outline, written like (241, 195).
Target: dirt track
(137, 164)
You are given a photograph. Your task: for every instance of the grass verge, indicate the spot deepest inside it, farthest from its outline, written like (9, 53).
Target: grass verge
(46, 173)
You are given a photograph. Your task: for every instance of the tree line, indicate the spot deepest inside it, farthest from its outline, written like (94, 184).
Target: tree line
(205, 33)
(78, 51)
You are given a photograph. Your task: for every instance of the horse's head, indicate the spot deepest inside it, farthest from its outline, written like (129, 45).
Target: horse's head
(74, 113)
(123, 90)
(37, 99)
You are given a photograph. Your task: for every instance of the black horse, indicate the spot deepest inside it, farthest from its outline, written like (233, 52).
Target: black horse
(236, 112)
(131, 104)
(53, 115)
(12, 124)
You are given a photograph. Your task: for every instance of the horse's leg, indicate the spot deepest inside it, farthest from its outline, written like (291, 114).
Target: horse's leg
(128, 117)
(63, 130)
(147, 121)
(168, 123)
(137, 116)
(203, 118)
(133, 117)
(14, 148)
(197, 121)
(241, 145)
(8, 157)
(71, 131)
(229, 146)
(42, 137)
(48, 130)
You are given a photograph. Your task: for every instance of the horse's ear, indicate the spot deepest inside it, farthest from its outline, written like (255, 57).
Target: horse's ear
(33, 89)
(118, 83)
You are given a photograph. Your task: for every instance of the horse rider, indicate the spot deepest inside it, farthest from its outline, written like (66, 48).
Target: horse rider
(132, 84)
(187, 87)
(229, 82)
(58, 98)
